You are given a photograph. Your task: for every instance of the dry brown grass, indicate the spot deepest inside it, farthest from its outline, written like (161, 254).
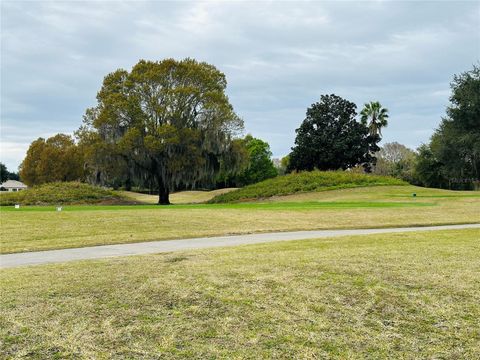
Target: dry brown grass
(41, 230)
(181, 197)
(390, 296)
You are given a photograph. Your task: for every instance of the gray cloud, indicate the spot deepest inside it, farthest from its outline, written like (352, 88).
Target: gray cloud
(279, 57)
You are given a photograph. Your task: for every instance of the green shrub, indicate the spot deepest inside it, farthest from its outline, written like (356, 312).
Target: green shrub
(305, 182)
(59, 193)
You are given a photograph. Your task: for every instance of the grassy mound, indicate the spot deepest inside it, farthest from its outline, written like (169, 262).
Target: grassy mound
(60, 193)
(305, 182)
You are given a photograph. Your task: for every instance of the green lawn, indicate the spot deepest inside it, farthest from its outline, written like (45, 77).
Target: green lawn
(41, 228)
(396, 296)
(305, 205)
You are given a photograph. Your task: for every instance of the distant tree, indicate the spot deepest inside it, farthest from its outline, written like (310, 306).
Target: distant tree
(7, 175)
(330, 138)
(396, 160)
(375, 117)
(3, 172)
(256, 164)
(394, 152)
(277, 162)
(54, 159)
(28, 168)
(170, 121)
(281, 164)
(284, 164)
(232, 163)
(13, 176)
(428, 170)
(259, 166)
(454, 149)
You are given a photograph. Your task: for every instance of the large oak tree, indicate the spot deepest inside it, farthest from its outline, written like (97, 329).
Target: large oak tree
(170, 121)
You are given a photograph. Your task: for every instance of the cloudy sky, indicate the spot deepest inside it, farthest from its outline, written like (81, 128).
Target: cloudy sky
(279, 57)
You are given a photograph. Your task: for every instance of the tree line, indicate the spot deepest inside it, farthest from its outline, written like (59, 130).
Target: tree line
(169, 125)
(7, 175)
(451, 159)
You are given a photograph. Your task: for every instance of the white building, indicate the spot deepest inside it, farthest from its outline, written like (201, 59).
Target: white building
(12, 185)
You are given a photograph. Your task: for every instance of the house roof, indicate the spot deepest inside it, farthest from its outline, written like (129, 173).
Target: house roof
(13, 184)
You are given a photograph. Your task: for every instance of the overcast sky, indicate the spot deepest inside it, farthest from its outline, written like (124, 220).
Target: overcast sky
(279, 57)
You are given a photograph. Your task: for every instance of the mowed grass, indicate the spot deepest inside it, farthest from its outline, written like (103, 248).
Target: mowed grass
(42, 228)
(73, 193)
(181, 197)
(395, 296)
(270, 205)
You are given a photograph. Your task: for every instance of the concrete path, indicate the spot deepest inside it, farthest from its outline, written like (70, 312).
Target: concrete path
(152, 247)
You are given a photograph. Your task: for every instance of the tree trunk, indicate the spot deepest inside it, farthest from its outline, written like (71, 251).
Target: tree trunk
(128, 184)
(163, 193)
(98, 178)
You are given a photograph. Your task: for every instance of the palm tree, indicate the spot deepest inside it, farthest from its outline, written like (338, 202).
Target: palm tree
(378, 117)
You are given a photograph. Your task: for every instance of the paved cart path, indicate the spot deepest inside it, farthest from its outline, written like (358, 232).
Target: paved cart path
(151, 247)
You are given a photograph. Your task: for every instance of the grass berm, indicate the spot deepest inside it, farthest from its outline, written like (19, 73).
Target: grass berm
(304, 182)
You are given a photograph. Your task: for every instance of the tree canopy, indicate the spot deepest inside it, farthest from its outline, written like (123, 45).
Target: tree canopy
(375, 117)
(169, 121)
(396, 160)
(452, 158)
(253, 164)
(55, 159)
(259, 166)
(7, 175)
(330, 138)
(3, 172)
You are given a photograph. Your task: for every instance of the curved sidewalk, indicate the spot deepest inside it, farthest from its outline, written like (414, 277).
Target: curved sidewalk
(152, 247)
